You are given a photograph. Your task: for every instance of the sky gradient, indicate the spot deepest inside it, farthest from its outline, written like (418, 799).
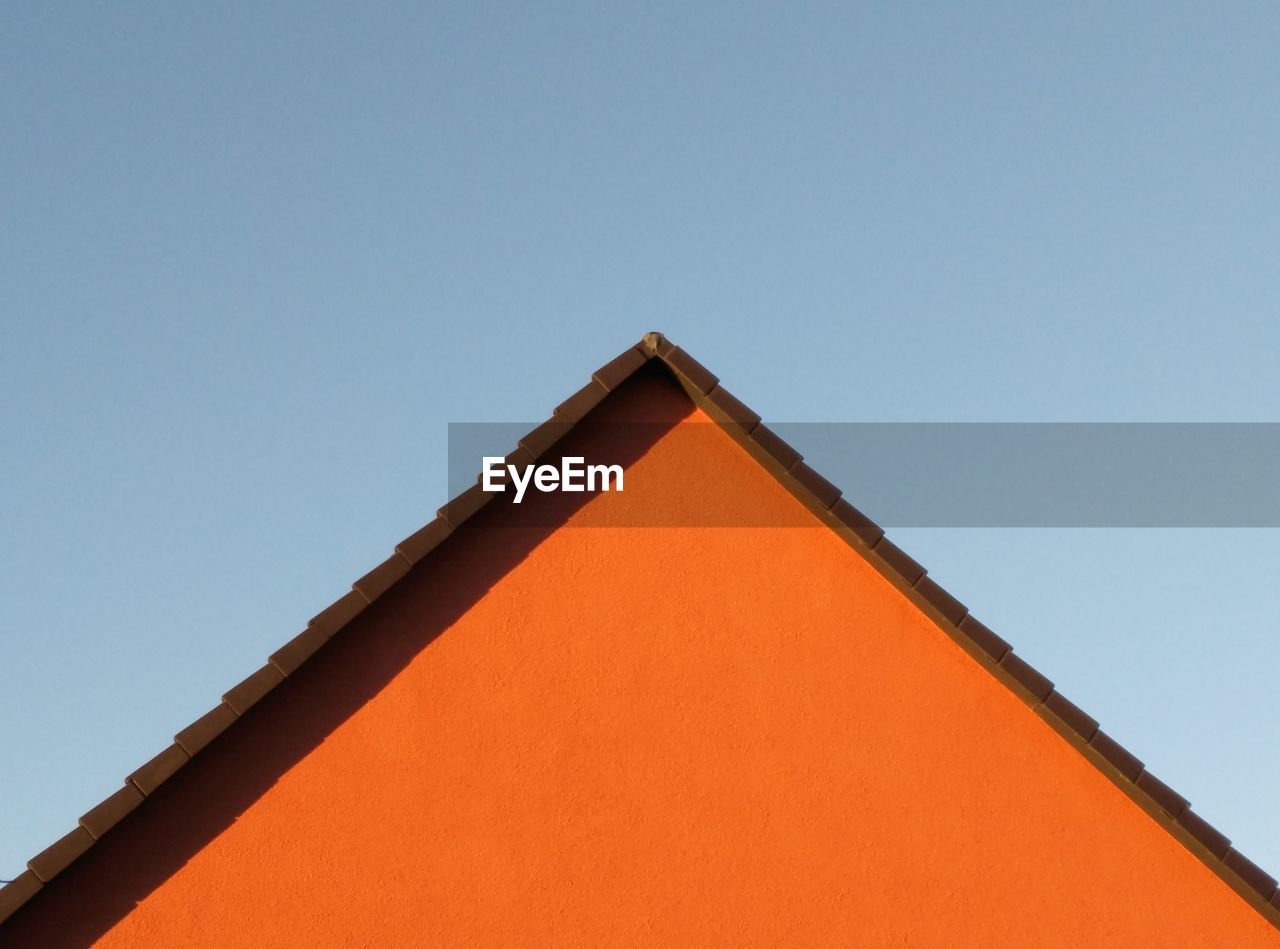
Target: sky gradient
(252, 263)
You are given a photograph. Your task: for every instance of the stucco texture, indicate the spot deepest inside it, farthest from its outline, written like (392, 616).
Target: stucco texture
(606, 735)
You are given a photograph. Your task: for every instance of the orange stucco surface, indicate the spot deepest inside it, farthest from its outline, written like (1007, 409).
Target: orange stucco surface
(627, 736)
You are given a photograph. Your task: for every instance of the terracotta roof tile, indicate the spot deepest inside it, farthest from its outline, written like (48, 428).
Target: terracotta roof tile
(339, 613)
(699, 375)
(58, 856)
(518, 456)
(775, 447)
(574, 408)
(17, 892)
(866, 530)
(823, 490)
(159, 769)
(984, 638)
(381, 578)
(298, 650)
(733, 409)
(539, 441)
(618, 369)
(206, 728)
(1111, 750)
(1216, 842)
(417, 545)
(1071, 715)
(1252, 874)
(250, 691)
(942, 601)
(1169, 800)
(898, 561)
(110, 812)
(1035, 684)
(465, 504)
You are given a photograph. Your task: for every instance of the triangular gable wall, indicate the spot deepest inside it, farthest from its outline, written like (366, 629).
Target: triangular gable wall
(1167, 808)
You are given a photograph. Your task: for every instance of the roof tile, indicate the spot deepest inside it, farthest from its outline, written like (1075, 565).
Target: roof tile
(298, 650)
(98, 820)
(1071, 715)
(518, 456)
(417, 545)
(250, 690)
(539, 441)
(942, 601)
(54, 859)
(866, 530)
(1116, 755)
(1169, 800)
(17, 892)
(775, 447)
(736, 412)
(196, 736)
(702, 378)
(898, 561)
(1216, 842)
(159, 769)
(618, 369)
(1252, 874)
(466, 504)
(1027, 677)
(339, 613)
(826, 493)
(381, 578)
(984, 638)
(572, 409)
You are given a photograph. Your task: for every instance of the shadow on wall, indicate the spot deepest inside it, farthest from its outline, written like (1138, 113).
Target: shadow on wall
(204, 798)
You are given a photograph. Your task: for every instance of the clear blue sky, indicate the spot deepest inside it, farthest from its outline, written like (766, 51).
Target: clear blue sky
(253, 262)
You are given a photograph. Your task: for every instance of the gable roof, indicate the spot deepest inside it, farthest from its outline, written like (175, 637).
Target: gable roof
(1169, 809)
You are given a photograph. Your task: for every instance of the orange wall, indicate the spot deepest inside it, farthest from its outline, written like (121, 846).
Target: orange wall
(638, 737)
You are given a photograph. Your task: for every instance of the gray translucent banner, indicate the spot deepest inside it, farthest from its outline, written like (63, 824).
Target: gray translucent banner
(966, 474)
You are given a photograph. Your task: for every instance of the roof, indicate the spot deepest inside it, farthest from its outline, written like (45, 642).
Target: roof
(1170, 810)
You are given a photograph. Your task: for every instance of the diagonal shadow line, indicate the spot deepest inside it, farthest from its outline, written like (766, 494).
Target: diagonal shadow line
(220, 783)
